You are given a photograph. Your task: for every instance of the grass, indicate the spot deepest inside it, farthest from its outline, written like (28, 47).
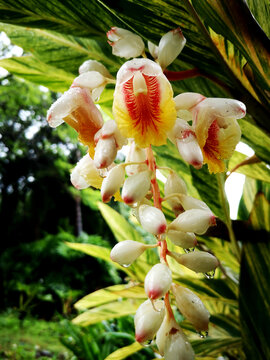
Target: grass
(30, 339)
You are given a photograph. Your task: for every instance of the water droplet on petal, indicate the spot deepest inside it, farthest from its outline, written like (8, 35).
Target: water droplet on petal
(189, 250)
(210, 274)
(203, 334)
(147, 343)
(126, 265)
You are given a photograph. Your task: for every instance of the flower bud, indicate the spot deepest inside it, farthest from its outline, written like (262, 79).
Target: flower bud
(170, 46)
(198, 261)
(93, 65)
(175, 185)
(158, 281)
(152, 219)
(85, 174)
(125, 43)
(194, 220)
(184, 239)
(136, 187)
(177, 347)
(135, 154)
(125, 252)
(190, 150)
(153, 49)
(167, 325)
(189, 202)
(148, 320)
(110, 129)
(191, 306)
(112, 182)
(105, 152)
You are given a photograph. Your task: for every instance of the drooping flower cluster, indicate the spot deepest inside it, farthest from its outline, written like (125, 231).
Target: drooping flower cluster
(204, 130)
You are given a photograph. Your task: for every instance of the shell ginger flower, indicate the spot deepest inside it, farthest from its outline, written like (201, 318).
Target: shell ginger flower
(143, 104)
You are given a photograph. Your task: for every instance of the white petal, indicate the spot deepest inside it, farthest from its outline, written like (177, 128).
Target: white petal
(195, 220)
(93, 65)
(136, 187)
(219, 107)
(153, 49)
(125, 252)
(135, 154)
(189, 202)
(85, 174)
(175, 185)
(77, 180)
(128, 47)
(90, 80)
(152, 219)
(186, 101)
(177, 347)
(190, 151)
(164, 330)
(170, 46)
(158, 281)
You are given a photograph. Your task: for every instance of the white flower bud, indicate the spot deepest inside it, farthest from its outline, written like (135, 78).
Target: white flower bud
(125, 252)
(175, 185)
(158, 281)
(105, 152)
(112, 182)
(125, 43)
(152, 219)
(153, 49)
(177, 347)
(93, 65)
(148, 320)
(90, 80)
(189, 202)
(85, 174)
(184, 239)
(225, 108)
(186, 101)
(170, 46)
(135, 154)
(110, 129)
(190, 150)
(194, 220)
(198, 261)
(136, 187)
(191, 306)
(167, 325)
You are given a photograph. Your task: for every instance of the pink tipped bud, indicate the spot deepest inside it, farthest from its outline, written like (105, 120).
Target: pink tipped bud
(191, 306)
(105, 153)
(170, 46)
(125, 43)
(189, 202)
(194, 220)
(93, 65)
(148, 320)
(224, 108)
(125, 252)
(177, 347)
(190, 150)
(136, 187)
(112, 182)
(158, 281)
(152, 219)
(175, 185)
(186, 101)
(135, 154)
(198, 261)
(184, 239)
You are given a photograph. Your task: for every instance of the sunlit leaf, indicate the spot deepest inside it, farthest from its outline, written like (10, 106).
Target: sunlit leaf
(125, 351)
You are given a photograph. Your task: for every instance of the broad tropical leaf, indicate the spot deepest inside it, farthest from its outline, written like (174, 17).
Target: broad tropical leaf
(125, 351)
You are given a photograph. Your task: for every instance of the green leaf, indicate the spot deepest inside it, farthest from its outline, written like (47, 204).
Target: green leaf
(257, 171)
(32, 69)
(108, 311)
(216, 346)
(254, 296)
(110, 294)
(125, 351)
(261, 13)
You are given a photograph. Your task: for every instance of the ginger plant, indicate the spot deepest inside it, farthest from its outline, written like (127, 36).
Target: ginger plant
(204, 130)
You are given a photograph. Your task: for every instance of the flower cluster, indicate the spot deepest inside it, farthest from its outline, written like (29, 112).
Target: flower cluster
(204, 130)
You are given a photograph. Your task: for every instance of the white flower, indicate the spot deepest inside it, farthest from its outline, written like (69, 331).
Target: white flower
(136, 187)
(158, 281)
(198, 261)
(170, 46)
(152, 219)
(111, 184)
(125, 252)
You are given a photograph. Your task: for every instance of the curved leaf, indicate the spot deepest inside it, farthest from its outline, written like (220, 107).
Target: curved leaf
(125, 351)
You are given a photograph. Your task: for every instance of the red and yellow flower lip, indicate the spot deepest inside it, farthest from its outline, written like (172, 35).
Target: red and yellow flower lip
(143, 102)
